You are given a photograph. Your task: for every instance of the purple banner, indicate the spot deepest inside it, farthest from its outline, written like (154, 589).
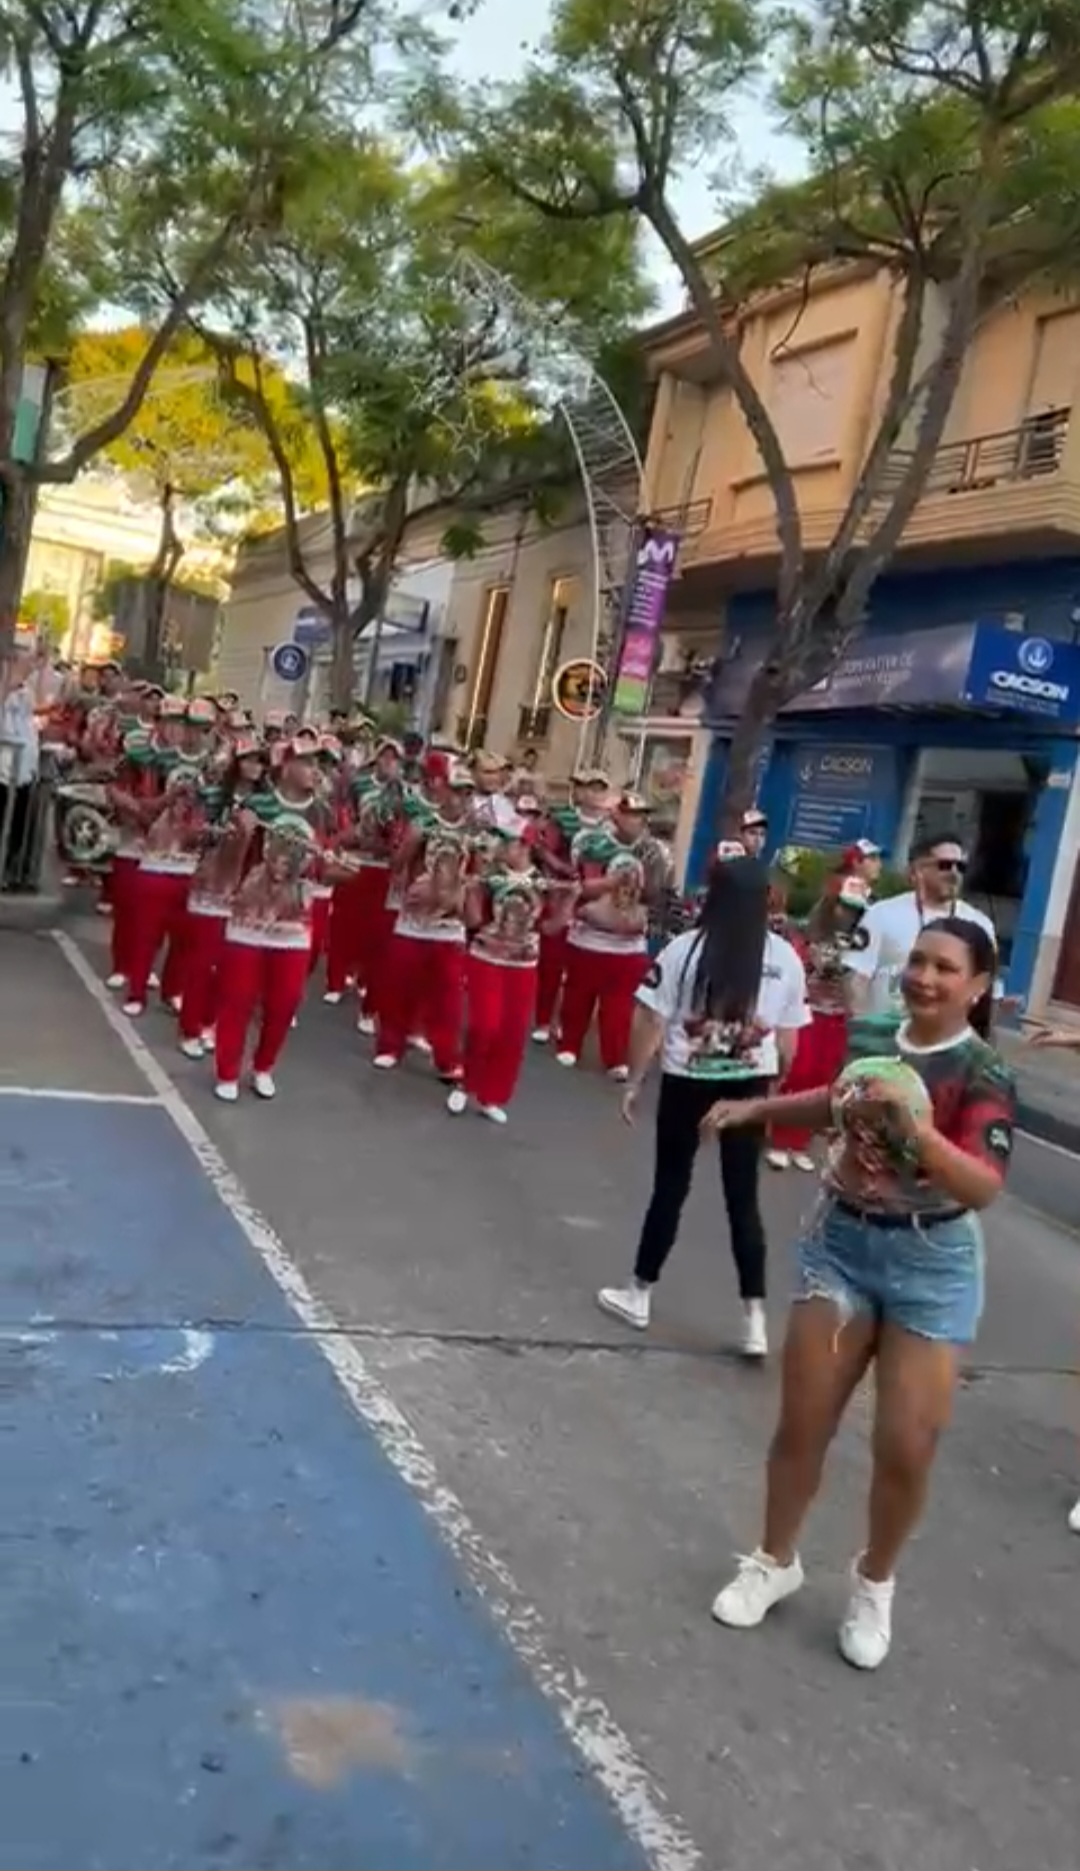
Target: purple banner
(650, 577)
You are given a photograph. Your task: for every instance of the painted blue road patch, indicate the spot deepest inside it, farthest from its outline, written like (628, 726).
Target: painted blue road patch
(230, 1634)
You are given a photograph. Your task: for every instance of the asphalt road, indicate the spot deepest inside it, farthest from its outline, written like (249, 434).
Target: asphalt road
(616, 1477)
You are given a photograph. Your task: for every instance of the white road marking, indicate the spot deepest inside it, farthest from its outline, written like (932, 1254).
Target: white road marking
(197, 1348)
(585, 1717)
(66, 1095)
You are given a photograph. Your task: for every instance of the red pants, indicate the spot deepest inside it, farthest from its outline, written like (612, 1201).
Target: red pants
(500, 1010)
(423, 991)
(818, 1058)
(605, 982)
(343, 937)
(249, 979)
(550, 974)
(159, 914)
(203, 951)
(320, 925)
(375, 927)
(123, 875)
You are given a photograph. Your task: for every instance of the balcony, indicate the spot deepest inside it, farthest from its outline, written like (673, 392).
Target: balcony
(534, 724)
(1016, 491)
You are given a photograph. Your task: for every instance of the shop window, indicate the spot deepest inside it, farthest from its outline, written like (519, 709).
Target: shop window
(808, 399)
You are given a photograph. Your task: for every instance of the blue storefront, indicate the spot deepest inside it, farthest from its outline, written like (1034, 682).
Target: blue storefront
(958, 705)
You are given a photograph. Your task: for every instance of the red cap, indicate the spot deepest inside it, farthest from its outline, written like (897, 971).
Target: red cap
(436, 765)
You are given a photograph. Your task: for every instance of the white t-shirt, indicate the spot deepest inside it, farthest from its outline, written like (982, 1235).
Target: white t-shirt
(885, 938)
(698, 1048)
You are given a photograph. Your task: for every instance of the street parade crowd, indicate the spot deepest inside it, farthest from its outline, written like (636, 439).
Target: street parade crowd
(469, 907)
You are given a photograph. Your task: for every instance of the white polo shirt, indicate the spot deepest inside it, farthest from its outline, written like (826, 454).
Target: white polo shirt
(885, 938)
(694, 1047)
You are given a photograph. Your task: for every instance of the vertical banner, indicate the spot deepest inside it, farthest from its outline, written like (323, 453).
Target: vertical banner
(650, 576)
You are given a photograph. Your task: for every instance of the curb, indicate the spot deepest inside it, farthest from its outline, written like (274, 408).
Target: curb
(1048, 1126)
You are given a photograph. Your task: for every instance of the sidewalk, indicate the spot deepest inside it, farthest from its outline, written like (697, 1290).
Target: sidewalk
(1048, 1086)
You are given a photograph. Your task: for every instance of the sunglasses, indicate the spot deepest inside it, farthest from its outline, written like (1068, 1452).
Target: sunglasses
(951, 866)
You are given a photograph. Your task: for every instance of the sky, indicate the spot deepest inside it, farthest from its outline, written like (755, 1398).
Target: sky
(494, 43)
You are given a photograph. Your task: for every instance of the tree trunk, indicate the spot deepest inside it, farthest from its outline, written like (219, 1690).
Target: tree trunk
(16, 521)
(342, 668)
(756, 720)
(159, 578)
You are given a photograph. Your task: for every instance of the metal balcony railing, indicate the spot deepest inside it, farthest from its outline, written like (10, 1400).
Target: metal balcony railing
(534, 723)
(1033, 450)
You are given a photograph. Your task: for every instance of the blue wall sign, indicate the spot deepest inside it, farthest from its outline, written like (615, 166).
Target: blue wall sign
(1027, 675)
(289, 662)
(836, 793)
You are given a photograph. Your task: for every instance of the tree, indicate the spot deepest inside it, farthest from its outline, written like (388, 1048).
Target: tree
(941, 139)
(145, 125)
(412, 392)
(47, 612)
(188, 446)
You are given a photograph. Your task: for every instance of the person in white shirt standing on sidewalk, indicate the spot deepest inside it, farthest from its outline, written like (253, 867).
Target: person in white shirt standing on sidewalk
(722, 1004)
(877, 954)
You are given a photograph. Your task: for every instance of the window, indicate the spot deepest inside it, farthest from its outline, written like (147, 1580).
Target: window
(492, 626)
(563, 594)
(808, 399)
(1055, 364)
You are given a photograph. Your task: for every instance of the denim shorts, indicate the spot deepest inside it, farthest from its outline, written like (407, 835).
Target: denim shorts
(926, 1278)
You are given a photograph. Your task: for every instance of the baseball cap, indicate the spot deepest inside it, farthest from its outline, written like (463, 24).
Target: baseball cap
(201, 713)
(633, 802)
(862, 848)
(752, 818)
(461, 779)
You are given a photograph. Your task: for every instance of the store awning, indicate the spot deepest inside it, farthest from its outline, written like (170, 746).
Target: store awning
(977, 667)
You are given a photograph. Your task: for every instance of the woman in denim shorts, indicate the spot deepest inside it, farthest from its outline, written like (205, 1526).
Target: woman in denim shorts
(890, 1269)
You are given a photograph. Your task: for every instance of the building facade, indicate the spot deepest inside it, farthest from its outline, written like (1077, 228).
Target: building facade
(958, 706)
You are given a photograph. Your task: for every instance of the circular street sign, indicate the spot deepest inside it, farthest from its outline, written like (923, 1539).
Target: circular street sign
(289, 662)
(577, 689)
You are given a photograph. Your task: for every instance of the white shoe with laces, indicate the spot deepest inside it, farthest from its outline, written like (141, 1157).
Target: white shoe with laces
(778, 1159)
(802, 1161)
(541, 1035)
(193, 1048)
(133, 1008)
(420, 1044)
(457, 1101)
(494, 1113)
(755, 1332)
(116, 981)
(262, 1084)
(865, 1632)
(632, 1304)
(332, 998)
(227, 1090)
(365, 1025)
(619, 1074)
(1074, 1519)
(758, 1585)
(566, 1058)
(384, 1061)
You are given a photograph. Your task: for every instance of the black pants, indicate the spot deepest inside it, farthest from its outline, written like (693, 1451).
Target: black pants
(683, 1104)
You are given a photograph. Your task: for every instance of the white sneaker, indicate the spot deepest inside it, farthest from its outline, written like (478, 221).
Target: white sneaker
(619, 1074)
(384, 1061)
(541, 1035)
(1074, 1519)
(457, 1101)
(366, 1025)
(631, 1304)
(420, 1044)
(494, 1113)
(566, 1058)
(804, 1162)
(116, 981)
(332, 998)
(755, 1332)
(193, 1048)
(778, 1159)
(758, 1585)
(262, 1084)
(133, 1008)
(866, 1629)
(227, 1090)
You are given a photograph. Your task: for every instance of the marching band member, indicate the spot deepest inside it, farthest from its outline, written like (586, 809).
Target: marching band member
(228, 844)
(359, 923)
(586, 811)
(265, 957)
(606, 962)
(170, 853)
(501, 978)
(424, 982)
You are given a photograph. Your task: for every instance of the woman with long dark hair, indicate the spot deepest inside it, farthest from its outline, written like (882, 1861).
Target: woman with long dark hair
(890, 1268)
(722, 1005)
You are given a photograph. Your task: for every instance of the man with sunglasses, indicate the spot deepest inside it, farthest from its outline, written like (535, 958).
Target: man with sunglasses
(888, 932)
